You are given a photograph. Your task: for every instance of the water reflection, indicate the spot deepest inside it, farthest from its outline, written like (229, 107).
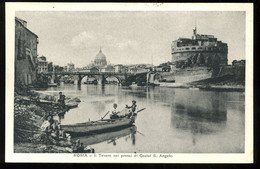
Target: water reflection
(79, 87)
(110, 137)
(199, 113)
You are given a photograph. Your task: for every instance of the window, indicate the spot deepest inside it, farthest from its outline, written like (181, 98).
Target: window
(187, 48)
(193, 48)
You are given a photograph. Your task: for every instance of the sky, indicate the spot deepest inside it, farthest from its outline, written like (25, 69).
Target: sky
(128, 37)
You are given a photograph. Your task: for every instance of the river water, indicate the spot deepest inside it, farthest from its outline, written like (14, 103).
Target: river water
(175, 120)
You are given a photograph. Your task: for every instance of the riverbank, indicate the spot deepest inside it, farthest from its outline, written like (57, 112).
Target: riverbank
(225, 83)
(29, 115)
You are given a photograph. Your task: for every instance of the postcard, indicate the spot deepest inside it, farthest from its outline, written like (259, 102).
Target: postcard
(129, 82)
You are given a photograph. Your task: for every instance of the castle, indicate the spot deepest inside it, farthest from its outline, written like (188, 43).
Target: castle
(203, 50)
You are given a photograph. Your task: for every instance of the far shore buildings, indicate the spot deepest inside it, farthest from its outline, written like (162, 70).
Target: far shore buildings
(25, 53)
(70, 66)
(42, 64)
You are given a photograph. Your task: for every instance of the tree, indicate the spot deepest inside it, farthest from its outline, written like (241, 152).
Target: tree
(50, 67)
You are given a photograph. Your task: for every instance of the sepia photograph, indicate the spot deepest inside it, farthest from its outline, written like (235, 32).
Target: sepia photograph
(104, 82)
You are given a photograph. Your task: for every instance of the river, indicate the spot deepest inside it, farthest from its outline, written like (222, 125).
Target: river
(175, 120)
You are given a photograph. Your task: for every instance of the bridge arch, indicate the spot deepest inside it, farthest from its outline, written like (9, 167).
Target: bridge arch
(119, 79)
(83, 77)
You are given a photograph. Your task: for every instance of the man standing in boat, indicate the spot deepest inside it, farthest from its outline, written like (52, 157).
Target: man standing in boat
(132, 109)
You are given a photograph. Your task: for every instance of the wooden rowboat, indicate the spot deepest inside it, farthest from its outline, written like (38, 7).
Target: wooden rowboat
(98, 126)
(69, 105)
(108, 136)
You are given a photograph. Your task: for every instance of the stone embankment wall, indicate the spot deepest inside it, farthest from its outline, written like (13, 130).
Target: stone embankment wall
(189, 75)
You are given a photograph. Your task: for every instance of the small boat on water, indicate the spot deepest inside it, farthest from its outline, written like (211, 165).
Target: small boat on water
(71, 105)
(97, 126)
(52, 84)
(194, 88)
(153, 84)
(173, 85)
(42, 101)
(133, 85)
(100, 125)
(113, 135)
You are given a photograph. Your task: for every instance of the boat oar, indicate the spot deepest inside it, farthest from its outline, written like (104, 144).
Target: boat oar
(140, 133)
(104, 115)
(140, 110)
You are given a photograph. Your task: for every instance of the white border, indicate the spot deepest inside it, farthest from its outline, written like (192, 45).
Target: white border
(246, 157)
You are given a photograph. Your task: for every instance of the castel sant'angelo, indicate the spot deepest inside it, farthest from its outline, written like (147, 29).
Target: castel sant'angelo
(201, 49)
(198, 58)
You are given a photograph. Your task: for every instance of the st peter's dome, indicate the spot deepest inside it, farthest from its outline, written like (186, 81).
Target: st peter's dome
(100, 59)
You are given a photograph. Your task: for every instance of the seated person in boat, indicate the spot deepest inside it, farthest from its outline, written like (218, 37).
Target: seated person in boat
(114, 113)
(132, 109)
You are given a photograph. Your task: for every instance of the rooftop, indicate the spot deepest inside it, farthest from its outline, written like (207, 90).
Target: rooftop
(24, 24)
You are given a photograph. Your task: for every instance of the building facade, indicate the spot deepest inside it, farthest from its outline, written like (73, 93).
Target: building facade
(42, 64)
(93, 70)
(25, 53)
(108, 68)
(118, 68)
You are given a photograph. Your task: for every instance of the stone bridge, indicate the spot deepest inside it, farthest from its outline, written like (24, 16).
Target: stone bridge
(100, 76)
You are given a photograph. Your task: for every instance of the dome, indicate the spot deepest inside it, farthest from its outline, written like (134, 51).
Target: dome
(100, 55)
(100, 59)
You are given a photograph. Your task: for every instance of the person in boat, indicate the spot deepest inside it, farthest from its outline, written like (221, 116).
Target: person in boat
(132, 109)
(61, 99)
(114, 113)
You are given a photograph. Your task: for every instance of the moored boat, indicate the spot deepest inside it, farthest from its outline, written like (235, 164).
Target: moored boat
(52, 84)
(71, 105)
